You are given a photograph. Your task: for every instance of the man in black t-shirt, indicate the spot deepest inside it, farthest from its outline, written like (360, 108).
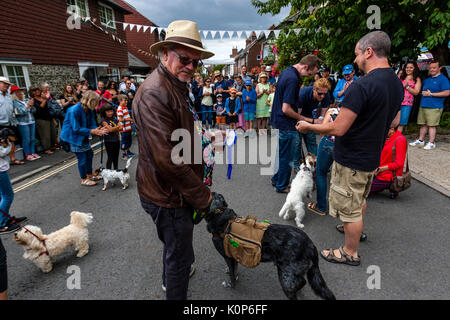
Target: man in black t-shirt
(370, 106)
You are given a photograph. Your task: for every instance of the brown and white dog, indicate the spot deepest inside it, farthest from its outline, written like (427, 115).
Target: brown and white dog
(42, 248)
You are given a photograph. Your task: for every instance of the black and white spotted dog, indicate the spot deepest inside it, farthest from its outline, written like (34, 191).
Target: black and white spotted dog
(288, 247)
(112, 175)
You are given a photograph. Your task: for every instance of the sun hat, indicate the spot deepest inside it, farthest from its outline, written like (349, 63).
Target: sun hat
(185, 33)
(262, 75)
(14, 89)
(347, 69)
(5, 80)
(268, 69)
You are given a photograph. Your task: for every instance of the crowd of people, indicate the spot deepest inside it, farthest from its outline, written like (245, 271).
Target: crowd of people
(360, 121)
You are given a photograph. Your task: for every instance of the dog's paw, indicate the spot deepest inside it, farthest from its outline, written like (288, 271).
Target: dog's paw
(300, 226)
(104, 188)
(82, 253)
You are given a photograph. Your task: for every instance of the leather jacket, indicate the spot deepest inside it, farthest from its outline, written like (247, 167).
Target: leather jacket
(160, 107)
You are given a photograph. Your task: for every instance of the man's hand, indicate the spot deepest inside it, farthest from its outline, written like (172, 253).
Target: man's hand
(302, 126)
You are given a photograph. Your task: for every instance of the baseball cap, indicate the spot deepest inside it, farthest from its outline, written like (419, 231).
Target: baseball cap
(248, 83)
(14, 89)
(219, 95)
(347, 69)
(268, 69)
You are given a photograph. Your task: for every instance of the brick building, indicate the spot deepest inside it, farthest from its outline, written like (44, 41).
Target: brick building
(37, 45)
(139, 42)
(249, 56)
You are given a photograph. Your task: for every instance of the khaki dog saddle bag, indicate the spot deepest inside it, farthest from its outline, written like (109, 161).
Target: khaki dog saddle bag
(242, 240)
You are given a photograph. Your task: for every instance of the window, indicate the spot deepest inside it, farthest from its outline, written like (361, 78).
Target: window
(82, 4)
(107, 16)
(17, 75)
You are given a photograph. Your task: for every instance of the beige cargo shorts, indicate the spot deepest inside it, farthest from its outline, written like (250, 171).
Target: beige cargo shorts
(348, 192)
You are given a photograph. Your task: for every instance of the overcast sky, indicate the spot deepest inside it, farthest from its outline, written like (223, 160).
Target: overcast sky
(210, 15)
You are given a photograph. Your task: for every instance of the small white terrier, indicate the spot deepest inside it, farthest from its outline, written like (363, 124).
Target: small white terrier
(301, 186)
(112, 175)
(40, 251)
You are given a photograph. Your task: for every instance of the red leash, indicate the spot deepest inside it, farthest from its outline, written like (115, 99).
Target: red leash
(27, 230)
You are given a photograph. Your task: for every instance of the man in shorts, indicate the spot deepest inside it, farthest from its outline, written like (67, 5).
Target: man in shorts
(370, 106)
(434, 91)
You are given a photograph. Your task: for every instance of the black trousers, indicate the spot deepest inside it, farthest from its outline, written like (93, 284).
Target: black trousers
(113, 151)
(3, 269)
(175, 230)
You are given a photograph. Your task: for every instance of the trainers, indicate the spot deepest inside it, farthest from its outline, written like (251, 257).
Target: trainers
(10, 228)
(30, 157)
(417, 143)
(16, 220)
(429, 146)
(35, 156)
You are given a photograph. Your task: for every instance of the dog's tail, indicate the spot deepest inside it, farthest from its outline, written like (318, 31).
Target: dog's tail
(316, 280)
(128, 165)
(80, 219)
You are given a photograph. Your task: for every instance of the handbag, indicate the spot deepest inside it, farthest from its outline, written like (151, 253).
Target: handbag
(55, 110)
(403, 182)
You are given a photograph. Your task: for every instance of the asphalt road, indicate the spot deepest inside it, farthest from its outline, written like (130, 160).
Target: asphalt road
(407, 239)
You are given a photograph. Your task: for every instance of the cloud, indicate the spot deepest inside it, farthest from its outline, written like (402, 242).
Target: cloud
(210, 15)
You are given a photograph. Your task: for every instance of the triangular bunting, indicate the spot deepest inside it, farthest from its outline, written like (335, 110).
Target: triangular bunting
(139, 27)
(239, 34)
(125, 26)
(248, 34)
(152, 29)
(205, 33)
(277, 33)
(297, 31)
(267, 33)
(222, 33)
(146, 28)
(213, 33)
(132, 26)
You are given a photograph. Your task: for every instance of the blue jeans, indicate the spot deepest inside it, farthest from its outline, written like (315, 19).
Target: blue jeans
(311, 146)
(287, 140)
(6, 196)
(404, 115)
(323, 164)
(28, 132)
(207, 114)
(85, 162)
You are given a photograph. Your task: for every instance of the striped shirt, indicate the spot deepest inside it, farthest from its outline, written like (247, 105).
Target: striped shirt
(122, 112)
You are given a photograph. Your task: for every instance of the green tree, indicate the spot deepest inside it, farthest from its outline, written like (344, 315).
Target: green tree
(335, 26)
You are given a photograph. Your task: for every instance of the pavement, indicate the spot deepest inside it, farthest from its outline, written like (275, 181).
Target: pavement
(407, 241)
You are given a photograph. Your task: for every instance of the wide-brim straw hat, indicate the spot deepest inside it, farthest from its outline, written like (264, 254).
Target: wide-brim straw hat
(185, 33)
(5, 80)
(263, 75)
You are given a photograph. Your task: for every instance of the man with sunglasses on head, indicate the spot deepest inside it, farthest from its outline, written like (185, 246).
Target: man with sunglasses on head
(171, 187)
(313, 103)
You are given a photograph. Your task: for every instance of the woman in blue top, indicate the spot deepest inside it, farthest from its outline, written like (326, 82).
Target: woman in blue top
(79, 123)
(250, 97)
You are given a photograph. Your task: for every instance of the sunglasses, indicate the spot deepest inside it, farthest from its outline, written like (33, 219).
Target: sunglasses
(186, 61)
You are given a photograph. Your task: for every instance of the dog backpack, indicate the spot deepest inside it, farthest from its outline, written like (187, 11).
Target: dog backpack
(242, 240)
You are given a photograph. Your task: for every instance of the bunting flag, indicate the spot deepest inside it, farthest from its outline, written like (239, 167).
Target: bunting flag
(277, 33)
(267, 33)
(213, 34)
(146, 28)
(222, 33)
(205, 34)
(125, 26)
(132, 27)
(139, 27)
(152, 29)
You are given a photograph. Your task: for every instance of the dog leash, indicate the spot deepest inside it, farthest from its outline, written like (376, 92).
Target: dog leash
(27, 230)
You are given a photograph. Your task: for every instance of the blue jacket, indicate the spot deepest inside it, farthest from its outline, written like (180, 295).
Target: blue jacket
(340, 87)
(23, 115)
(237, 106)
(249, 106)
(77, 125)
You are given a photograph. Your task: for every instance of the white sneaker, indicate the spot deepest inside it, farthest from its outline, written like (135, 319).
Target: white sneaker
(417, 143)
(430, 146)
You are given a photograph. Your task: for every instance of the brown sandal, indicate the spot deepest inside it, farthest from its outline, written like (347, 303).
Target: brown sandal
(344, 259)
(88, 183)
(312, 206)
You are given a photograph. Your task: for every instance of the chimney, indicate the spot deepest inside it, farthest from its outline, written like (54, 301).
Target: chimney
(233, 53)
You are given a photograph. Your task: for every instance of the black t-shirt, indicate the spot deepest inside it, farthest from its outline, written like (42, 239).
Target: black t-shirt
(130, 100)
(232, 105)
(376, 99)
(112, 136)
(67, 99)
(41, 113)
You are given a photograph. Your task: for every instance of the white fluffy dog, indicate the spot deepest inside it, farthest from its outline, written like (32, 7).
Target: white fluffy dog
(112, 175)
(301, 186)
(40, 251)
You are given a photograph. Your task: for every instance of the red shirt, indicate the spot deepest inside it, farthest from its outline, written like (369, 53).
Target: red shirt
(401, 148)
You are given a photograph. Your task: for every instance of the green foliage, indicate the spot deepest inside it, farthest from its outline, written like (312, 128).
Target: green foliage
(335, 26)
(445, 120)
(218, 67)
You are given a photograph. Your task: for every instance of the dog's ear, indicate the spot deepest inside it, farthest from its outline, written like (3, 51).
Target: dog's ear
(300, 161)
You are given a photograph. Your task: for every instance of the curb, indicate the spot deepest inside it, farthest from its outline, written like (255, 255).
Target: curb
(430, 184)
(44, 168)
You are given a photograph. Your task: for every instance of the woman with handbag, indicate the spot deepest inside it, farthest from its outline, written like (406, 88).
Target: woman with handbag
(391, 164)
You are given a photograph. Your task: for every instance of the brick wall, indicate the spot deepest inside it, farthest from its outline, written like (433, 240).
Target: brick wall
(37, 30)
(139, 40)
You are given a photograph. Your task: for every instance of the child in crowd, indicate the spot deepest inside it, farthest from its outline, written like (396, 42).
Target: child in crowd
(220, 110)
(270, 99)
(232, 108)
(125, 121)
(112, 140)
(249, 96)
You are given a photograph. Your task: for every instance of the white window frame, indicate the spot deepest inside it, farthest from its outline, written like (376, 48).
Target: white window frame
(23, 64)
(109, 24)
(86, 7)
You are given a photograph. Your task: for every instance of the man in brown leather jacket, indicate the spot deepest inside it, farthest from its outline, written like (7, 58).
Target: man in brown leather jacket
(169, 192)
